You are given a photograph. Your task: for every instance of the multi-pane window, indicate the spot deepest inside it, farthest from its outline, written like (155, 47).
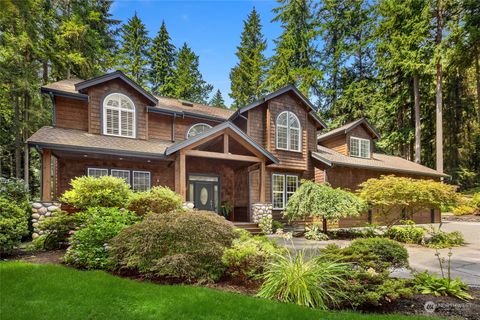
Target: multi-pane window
(288, 131)
(141, 180)
(138, 180)
(283, 187)
(359, 147)
(125, 174)
(97, 172)
(119, 116)
(197, 129)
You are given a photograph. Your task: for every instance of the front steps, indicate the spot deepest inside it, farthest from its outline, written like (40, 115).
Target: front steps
(249, 226)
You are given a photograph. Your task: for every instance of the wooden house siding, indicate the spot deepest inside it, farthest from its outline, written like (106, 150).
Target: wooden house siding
(159, 126)
(71, 114)
(338, 143)
(183, 124)
(359, 132)
(95, 106)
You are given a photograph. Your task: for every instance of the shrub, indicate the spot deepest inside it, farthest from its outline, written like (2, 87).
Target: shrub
(376, 253)
(14, 189)
(426, 283)
(248, 256)
(88, 246)
(406, 234)
(157, 200)
(321, 200)
(13, 225)
(306, 282)
(185, 246)
(313, 233)
(370, 231)
(475, 202)
(106, 191)
(365, 289)
(440, 239)
(464, 210)
(389, 193)
(277, 225)
(57, 229)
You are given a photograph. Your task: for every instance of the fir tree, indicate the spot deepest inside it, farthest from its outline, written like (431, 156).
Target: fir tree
(162, 59)
(189, 83)
(294, 58)
(248, 76)
(132, 56)
(217, 100)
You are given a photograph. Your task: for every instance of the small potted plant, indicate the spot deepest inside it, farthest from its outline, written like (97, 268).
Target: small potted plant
(227, 209)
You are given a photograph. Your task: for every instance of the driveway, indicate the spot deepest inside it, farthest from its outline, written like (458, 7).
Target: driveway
(465, 261)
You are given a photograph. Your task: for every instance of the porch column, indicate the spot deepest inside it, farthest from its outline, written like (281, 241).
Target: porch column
(180, 175)
(262, 181)
(46, 175)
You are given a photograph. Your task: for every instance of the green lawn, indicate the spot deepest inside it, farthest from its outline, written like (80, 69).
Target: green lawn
(30, 291)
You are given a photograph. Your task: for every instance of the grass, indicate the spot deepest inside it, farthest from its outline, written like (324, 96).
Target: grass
(30, 291)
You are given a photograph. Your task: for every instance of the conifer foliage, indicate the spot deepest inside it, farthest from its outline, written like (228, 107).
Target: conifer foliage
(162, 59)
(248, 76)
(134, 43)
(217, 100)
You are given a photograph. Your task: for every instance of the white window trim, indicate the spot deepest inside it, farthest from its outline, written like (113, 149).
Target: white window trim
(104, 113)
(288, 132)
(149, 178)
(285, 177)
(121, 170)
(359, 155)
(196, 124)
(93, 168)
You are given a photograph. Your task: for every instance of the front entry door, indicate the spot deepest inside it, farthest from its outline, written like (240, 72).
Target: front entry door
(203, 199)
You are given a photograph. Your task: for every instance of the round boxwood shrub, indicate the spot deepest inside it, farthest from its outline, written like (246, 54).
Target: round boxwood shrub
(106, 191)
(13, 225)
(158, 199)
(182, 246)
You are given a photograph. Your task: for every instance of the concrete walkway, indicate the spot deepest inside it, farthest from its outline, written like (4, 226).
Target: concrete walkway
(465, 261)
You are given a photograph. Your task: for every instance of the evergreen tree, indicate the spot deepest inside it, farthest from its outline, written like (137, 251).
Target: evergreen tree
(189, 83)
(132, 56)
(162, 59)
(217, 100)
(294, 59)
(248, 76)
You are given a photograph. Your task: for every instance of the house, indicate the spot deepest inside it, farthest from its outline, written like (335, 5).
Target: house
(257, 155)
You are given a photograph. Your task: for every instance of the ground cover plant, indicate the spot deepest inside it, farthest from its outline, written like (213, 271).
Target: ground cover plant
(97, 295)
(182, 246)
(439, 239)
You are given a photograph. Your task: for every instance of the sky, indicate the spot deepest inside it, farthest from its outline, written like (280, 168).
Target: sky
(211, 28)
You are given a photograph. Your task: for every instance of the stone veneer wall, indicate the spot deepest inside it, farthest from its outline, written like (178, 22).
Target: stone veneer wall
(41, 211)
(261, 210)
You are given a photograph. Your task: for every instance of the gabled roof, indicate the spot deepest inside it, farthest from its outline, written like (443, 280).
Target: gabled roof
(379, 162)
(349, 127)
(279, 92)
(225, 125)
(115, 75)
(64, 88)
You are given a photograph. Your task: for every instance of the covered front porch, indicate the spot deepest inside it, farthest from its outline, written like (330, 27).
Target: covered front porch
(221, 170)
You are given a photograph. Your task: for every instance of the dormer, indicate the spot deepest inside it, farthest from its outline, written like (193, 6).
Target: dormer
(354, 139)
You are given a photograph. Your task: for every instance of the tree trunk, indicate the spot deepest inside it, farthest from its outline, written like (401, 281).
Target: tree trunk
(25, 136)
(477, 77)
(324, 224)
(416, 93)
(18, 154)
(438, 89)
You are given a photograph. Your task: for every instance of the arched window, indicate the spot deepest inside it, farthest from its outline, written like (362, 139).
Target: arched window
(118, 116)
(288, 131)
(197, 129)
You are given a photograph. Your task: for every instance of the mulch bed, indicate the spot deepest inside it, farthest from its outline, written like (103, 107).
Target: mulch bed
(465, 218)
(445, 307)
